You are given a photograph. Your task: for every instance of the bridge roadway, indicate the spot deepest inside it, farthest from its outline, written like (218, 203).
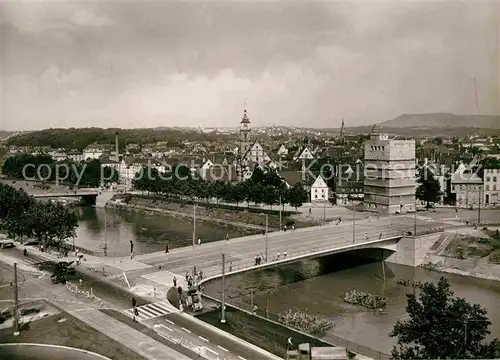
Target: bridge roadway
(241, 252)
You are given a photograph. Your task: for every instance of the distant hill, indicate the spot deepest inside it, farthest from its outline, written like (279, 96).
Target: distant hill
(443, 120)
(80, 138)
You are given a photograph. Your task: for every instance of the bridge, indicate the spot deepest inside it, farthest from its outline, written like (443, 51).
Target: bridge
(389, 242)
(89, 196)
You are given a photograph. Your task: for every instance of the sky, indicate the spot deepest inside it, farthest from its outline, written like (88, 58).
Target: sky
(310, 64)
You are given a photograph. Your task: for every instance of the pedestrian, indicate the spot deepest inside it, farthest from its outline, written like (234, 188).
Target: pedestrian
(131, 250)
(254, 310)
(259, 260)
(293, 227)
(166, 248)
(187, 275)
(231, 266)
(380, 236)
(284, 254)
(199, 241)
(284, 228)
(227, 237)
(175, 281)
(256, 260)
(278, 256)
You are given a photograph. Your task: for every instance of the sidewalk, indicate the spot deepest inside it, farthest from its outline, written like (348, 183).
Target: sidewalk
(127, 336)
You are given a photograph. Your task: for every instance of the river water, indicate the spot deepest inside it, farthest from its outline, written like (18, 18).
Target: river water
(319, 288)
(149, 233)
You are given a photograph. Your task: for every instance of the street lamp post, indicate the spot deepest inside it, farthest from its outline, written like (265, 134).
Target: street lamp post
(105, 234)
(415, 220)
(194, 225)
(223, 299)
(267, 227)
(280, 215)
(353, 222)
(479, 206)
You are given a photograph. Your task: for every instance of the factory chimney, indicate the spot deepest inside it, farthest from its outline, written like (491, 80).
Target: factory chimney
(117, 151)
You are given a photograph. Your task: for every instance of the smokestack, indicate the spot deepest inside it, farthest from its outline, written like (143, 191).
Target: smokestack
(117, 151)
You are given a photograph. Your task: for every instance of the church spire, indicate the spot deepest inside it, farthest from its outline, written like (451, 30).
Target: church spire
(342, 130)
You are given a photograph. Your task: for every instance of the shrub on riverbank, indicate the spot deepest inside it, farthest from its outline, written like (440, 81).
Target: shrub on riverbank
(302, 321)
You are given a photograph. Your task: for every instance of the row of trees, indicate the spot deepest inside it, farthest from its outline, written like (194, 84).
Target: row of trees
(22, 216)
(80, 138)
(262, 188)
(44, 168)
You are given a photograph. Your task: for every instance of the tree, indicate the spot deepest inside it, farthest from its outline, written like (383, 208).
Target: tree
(443, 327)
(429, 189)
(297, 195)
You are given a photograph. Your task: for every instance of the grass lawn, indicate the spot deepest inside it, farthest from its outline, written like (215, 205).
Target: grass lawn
(72, 333)
(264, 334)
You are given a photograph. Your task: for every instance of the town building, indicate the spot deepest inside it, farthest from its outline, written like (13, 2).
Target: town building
(390, 181)
(319, 190)
(491, 187)
(282, 151)
(467, 187)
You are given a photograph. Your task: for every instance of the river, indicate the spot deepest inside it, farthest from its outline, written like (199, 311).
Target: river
(149, 233)
(317, 286)
(319, 289)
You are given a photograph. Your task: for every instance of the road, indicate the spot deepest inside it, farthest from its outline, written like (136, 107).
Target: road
(176, 330)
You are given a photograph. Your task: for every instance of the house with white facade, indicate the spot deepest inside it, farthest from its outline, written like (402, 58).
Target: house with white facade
(256, 155)
(319, 190)
(95, 151)
(129, 167)
(282, 151)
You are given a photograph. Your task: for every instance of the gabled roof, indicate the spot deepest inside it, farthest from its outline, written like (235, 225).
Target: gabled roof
(319, 182)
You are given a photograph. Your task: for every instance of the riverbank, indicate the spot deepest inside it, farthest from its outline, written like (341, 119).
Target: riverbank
(240, 217)
(474, 253)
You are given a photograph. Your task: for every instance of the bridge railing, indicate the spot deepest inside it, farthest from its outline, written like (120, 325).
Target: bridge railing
(300, 253)
(308, 249)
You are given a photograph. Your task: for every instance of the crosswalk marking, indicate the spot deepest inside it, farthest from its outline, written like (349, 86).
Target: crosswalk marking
(150, 311)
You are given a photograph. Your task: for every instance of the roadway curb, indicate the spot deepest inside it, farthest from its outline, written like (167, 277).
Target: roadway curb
(57, 347)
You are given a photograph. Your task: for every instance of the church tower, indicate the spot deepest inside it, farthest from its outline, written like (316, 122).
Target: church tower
(244, 134)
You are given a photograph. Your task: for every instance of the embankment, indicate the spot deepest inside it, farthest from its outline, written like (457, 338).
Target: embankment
(468, 255)
(478, 268)
(252, 218)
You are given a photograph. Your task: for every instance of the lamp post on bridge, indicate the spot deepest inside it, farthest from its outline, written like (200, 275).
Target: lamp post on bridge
(194, 225)
(267, 227)
(223, 294)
